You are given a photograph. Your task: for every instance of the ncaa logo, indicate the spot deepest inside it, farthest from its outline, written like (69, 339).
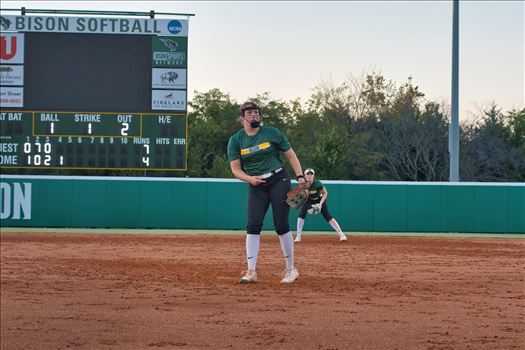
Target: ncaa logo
(174, 27)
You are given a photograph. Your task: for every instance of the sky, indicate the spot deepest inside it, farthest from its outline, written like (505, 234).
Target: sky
(287, 48)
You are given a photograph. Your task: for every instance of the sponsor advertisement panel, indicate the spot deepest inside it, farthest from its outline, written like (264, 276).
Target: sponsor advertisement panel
(169, 52)
(168, 78)
(172, 100)
(11, 48)
(11, 75)
(11, 96)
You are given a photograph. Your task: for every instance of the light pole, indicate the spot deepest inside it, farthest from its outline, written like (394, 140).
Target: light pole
(453, 130)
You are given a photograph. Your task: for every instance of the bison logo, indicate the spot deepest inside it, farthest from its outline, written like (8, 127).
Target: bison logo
(5, 23)
(170, 44)
(168, 77)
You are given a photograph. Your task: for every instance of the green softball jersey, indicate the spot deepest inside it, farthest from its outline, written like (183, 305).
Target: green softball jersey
(315, 191)
(259, 154)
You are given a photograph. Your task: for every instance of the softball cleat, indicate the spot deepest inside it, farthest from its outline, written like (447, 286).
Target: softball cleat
(249, 277)
(290, 275)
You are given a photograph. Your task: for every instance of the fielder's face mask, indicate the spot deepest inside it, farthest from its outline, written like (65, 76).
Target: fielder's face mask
(251, 111)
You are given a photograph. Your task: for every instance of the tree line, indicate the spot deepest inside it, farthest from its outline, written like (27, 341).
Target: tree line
(365, 128)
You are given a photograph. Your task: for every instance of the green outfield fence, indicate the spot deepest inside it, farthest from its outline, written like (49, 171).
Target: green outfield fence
(182, 203)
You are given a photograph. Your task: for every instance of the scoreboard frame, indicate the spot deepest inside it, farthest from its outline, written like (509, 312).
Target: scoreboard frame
(55, 150)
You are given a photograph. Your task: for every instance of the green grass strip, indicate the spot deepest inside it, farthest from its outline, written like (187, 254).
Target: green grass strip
(239, 232)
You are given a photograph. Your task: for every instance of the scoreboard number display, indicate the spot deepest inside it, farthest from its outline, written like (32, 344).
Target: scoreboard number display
(93, 140)
(93, 93)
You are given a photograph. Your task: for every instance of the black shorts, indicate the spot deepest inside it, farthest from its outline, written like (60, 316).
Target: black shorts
(259, 199)
(324, 210)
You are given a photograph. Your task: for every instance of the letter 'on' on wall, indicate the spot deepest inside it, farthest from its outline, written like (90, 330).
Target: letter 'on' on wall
(15, 200)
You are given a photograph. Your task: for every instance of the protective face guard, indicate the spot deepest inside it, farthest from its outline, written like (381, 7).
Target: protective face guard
(249, 106)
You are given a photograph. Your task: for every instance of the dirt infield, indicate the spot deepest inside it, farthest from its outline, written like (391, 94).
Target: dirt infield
(102, 291)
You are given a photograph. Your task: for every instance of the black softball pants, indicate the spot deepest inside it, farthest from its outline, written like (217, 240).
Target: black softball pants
(260, 197)
(324, 210)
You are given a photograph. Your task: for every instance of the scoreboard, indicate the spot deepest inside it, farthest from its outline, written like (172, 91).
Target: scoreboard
(93, 93)
(69, 140)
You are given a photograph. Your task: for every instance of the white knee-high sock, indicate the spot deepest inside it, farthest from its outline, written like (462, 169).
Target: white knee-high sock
(336, 227)
(300, 225)
(252, 250)
(287, 247)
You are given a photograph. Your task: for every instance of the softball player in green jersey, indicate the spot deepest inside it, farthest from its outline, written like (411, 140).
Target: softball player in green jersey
(254, 155)
(316, 203)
